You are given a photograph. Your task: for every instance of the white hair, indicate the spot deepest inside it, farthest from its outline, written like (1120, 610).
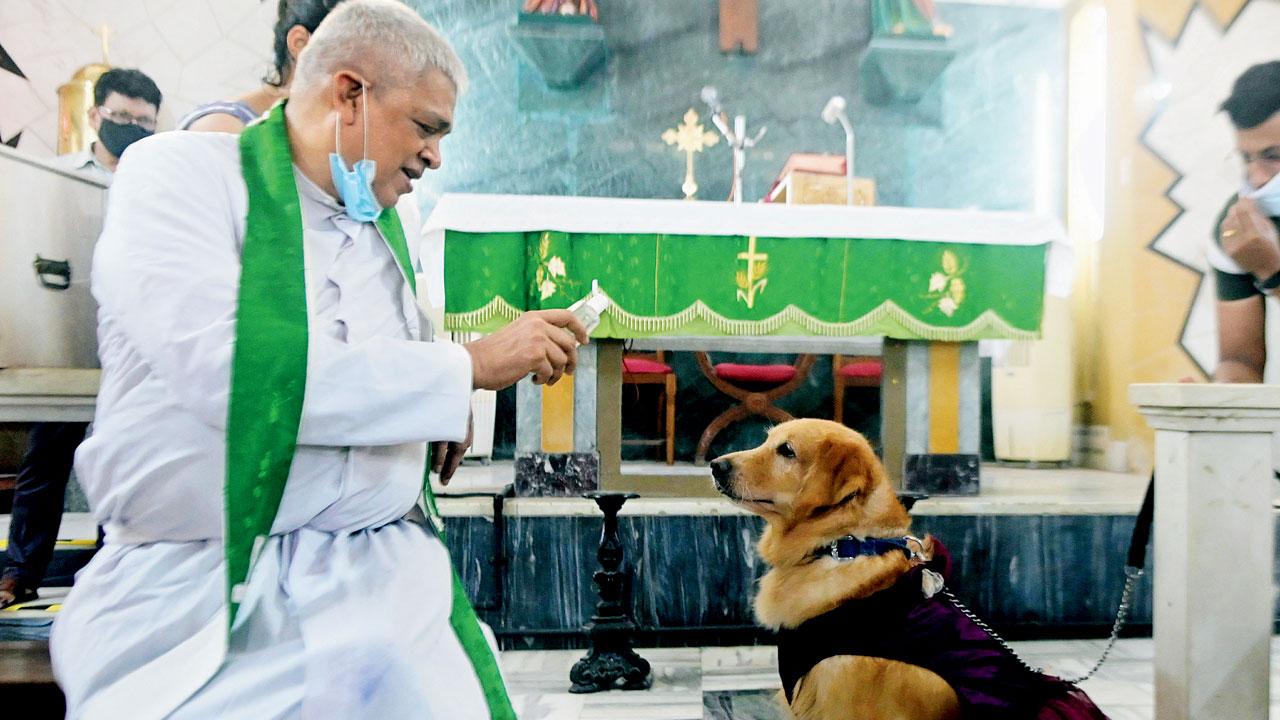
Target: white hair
(384, 39)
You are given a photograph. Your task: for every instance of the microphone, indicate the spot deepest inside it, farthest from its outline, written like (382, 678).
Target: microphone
(833, 112)
(711, 97)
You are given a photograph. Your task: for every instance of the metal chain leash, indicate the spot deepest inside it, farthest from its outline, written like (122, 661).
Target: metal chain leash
(982, 625)
(1132, 574)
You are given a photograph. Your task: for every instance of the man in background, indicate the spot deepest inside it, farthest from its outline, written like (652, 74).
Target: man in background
(125, 105)
(1245, 254)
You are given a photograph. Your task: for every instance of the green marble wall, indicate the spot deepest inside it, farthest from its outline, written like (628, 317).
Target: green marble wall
(969, 142)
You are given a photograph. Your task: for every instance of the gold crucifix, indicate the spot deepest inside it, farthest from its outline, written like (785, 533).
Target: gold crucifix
(752, 280)
(689, 138)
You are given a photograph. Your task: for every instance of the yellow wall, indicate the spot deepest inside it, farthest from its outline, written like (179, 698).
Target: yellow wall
(1167, 16)
(1130, 301)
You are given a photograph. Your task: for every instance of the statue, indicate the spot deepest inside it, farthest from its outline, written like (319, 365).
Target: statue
(563, 7)
(909, 18)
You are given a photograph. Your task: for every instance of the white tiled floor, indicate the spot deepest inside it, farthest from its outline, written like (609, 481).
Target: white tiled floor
(690, 683)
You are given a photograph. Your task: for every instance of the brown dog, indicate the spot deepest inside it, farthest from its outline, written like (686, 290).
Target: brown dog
(816, 482)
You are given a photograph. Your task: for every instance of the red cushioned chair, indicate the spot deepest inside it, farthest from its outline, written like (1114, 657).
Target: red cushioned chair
(652, 369)
(853, 372)
(730, 379)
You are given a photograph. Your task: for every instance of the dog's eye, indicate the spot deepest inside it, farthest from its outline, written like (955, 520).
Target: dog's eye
(786, 451)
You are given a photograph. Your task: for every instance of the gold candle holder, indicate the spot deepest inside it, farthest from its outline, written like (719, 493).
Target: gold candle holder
(75, 97)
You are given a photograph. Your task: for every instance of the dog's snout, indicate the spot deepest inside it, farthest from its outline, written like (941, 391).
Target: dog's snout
(721, 469)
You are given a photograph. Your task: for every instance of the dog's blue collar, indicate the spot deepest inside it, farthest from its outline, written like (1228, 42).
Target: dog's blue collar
(850, 547)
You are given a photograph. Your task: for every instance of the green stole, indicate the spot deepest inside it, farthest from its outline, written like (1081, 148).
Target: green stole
(269, 374)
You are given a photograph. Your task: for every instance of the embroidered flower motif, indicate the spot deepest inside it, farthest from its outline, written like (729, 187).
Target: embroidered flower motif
(937, 282)
(551, 276)
(556, 266)
(947, 288)
(950, 265)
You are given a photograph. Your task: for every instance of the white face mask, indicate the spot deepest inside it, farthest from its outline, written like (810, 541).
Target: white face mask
(1267, 196)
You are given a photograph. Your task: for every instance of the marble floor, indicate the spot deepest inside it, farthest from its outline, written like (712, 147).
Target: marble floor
(718, 683)
(740, 683)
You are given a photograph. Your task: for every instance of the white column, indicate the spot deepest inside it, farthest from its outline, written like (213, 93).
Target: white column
(1214, 547)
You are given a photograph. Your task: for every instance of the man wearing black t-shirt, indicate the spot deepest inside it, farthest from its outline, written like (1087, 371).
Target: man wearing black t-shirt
(1246, 253)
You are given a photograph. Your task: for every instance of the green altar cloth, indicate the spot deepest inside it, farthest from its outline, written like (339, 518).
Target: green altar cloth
(948, 276)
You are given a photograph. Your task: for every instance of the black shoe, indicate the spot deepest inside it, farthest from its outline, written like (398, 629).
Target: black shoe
(11, 593)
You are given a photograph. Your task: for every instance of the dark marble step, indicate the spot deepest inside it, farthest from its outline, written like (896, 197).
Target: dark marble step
(1031, 576)
(26, 681)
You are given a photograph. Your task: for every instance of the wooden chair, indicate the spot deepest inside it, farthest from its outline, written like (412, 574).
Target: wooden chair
(730, 378)
(853, 372)
(652, 369)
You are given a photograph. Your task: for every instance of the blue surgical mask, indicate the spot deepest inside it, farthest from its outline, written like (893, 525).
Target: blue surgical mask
(1267, 196)
(355, 186)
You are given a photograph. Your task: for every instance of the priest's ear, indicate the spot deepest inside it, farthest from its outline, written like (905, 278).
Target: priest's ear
(348, 95)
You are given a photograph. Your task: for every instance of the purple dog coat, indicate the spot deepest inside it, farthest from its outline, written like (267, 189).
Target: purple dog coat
(899, 623)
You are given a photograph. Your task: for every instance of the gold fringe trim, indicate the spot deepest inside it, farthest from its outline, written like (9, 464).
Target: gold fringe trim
(988, 324)
(497, 307)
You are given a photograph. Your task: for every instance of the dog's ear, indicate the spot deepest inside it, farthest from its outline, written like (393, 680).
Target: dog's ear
(841, 472)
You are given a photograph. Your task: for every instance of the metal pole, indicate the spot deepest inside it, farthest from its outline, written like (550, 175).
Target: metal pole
(848, 167)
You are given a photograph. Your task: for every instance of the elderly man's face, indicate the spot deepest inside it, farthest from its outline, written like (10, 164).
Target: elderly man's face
(406, 125)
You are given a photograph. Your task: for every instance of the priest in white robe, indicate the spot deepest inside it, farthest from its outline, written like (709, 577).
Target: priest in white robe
(267, 401)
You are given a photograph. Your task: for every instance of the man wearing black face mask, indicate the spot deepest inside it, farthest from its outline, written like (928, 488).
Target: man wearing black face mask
(125, 106)
(125, 103)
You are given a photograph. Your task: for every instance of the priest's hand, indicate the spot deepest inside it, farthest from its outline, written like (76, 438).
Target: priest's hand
(1250, 238)
(448, 455)
(542, 343)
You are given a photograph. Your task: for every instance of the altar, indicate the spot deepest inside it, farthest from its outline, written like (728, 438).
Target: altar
(786, 279)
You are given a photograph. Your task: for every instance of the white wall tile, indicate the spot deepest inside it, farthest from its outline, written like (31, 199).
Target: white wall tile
(120, 16)
(189, 28)
(195, 50)
(21, 106)
(230, 13)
